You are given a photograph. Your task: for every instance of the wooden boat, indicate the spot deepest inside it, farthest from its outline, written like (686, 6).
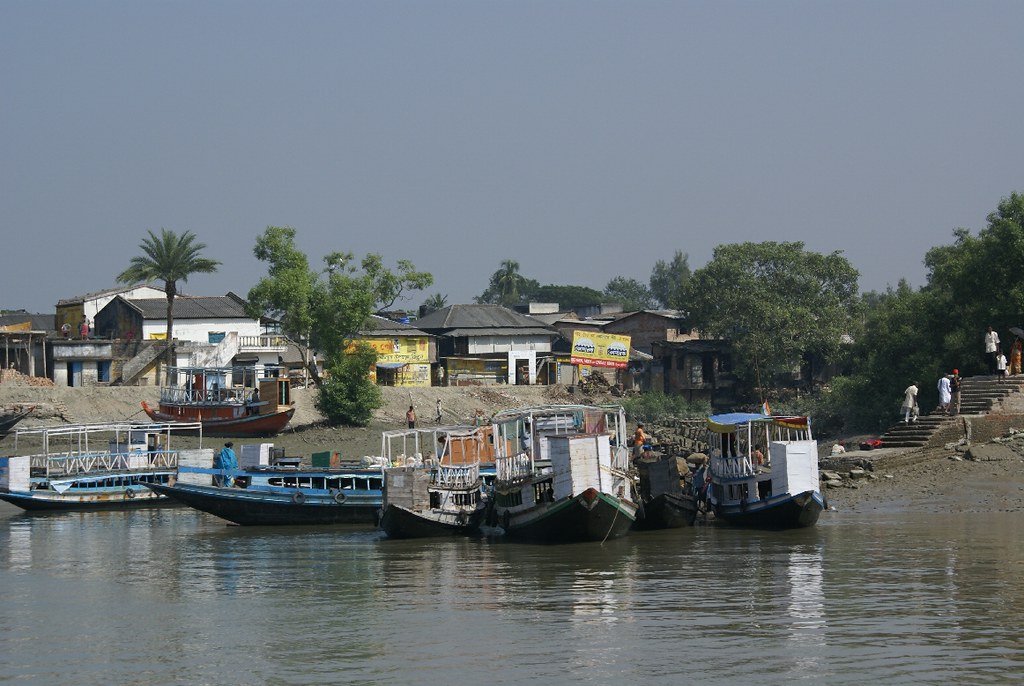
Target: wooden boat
(664, 504)
(226, 401)
(90, 466)
(9, 419)
(266, 494)
(562, 473)
(436, 496)
(779, 489)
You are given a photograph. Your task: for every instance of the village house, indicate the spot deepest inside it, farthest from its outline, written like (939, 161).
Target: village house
(23, 337)
(127, 342)
(490, 344)
(71, 311)
(405, 354)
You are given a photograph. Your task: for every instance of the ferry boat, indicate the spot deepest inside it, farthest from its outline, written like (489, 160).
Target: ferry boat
(441, 495)
(227, 401)
(279, 493)
(91, 466)
(562, 473)
(762, 472)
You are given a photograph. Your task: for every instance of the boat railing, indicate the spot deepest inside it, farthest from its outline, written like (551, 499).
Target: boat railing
(733, 467)
(462, 476)
(180, 395)
(85, 463)
(518, 467)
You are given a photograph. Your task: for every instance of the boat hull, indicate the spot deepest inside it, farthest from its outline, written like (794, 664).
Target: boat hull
(572, 520)
(667, 511)
(230, 427)
(251, 507)
(115, 499)
(400, 522)
(782, 512)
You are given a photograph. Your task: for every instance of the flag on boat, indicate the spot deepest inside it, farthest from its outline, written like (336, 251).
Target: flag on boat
(765, 410)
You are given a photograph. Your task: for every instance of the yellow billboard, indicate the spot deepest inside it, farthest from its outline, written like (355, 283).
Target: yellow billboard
(600, 349)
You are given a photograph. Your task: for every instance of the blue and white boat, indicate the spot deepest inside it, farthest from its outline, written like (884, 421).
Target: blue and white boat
(91, 466)
(762, 472)
(278, 494)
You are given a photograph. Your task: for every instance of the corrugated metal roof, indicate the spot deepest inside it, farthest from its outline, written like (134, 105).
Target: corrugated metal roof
(476, 317)
(382, 326)
(192, 307)
(509, 331)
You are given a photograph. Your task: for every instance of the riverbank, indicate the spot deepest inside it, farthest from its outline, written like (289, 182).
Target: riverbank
(934, 478)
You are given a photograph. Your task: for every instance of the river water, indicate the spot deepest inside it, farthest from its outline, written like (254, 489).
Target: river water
(172, 596)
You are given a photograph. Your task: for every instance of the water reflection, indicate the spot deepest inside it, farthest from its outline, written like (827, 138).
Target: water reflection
(121, 597)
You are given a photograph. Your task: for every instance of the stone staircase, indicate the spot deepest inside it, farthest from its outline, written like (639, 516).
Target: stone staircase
(978, 395)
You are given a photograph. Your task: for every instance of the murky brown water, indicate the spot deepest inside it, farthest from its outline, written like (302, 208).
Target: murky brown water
(172, 596)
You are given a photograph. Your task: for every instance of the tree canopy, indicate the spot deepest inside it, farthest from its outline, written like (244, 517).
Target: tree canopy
(630, 293)
(775, 302)
(669, 279)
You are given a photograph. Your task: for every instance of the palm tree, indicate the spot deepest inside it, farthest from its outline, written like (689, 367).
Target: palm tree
(508, 281)
(168, 258)
(434, 303)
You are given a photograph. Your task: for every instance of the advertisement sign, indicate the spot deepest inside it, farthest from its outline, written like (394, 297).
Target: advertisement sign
(600, 349)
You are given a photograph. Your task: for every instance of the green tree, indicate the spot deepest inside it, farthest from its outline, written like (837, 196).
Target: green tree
(348, 396)
(630, 293)
(327, 309)
(776, 303)
(169, 258)
(669, 279)
(977, 281)
(505, 287)
(567, 297)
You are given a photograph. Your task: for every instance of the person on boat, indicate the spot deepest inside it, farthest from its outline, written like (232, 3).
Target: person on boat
(757, 457)
(226, 459)
(909, 407)
(945, 393)
(639, 441)
(410, 417)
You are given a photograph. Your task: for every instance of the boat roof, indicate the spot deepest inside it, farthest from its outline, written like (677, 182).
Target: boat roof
(729, 422)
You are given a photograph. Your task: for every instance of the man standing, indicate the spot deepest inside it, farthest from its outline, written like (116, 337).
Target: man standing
(909, 408)
(410, 417)
(991, 347)
(437, 411)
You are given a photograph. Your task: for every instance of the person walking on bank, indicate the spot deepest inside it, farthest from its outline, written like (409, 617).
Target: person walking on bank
(410, 417)
(1001, 366)
(437, 411)
(945, 393)
(910, 410)
(954, 393)
(991, 348)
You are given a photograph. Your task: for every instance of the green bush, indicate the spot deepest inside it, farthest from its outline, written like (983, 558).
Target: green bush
(655, 405)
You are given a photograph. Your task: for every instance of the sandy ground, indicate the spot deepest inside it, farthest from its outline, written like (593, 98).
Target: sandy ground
(932, 478)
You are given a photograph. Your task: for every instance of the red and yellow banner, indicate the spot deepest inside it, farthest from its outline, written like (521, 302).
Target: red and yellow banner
(600, 349)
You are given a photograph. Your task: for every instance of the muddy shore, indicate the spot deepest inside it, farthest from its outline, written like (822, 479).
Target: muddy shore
(934, 478)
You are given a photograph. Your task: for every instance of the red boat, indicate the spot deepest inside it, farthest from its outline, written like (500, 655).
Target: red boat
(254, 407)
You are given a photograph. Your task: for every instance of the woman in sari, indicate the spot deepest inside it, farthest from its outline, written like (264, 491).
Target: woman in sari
(1015, 351)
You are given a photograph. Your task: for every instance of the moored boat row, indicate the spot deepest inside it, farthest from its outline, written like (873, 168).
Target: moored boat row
(557, 473)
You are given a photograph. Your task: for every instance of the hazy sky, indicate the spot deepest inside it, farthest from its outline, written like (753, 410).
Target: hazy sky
(586, 140)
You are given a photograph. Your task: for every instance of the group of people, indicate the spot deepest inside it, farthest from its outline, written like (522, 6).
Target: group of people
(998, 365)
(949, 397)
